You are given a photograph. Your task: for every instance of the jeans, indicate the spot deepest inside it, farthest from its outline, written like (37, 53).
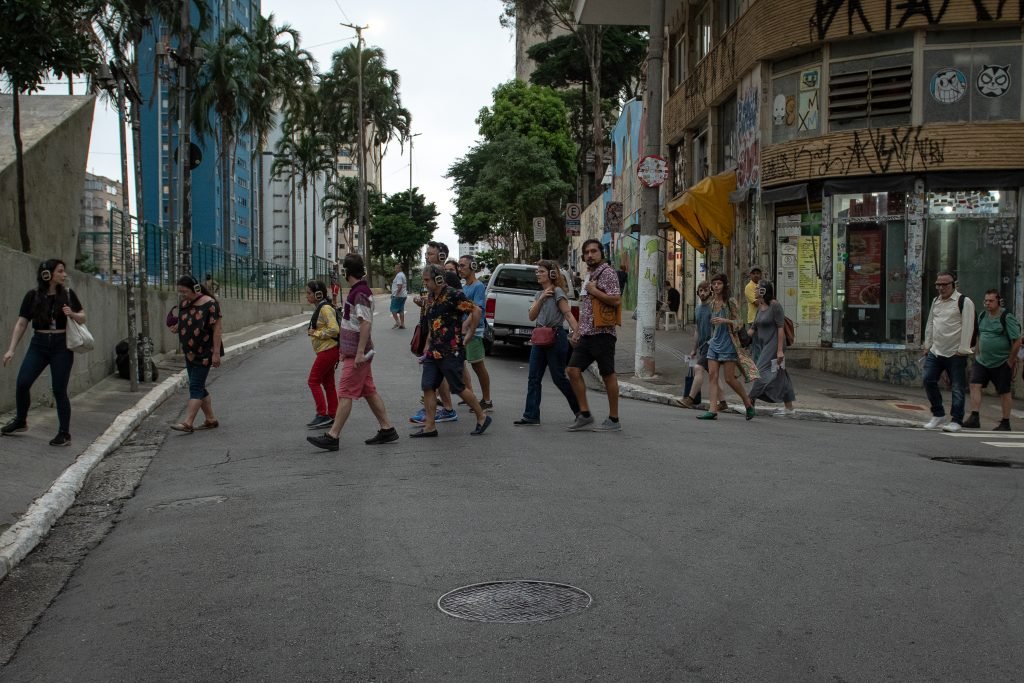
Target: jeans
(956, 366)
(43, 350)
(197, 374)
(551, 358)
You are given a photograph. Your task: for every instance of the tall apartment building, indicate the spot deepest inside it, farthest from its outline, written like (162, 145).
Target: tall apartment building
(97, 241)
(160, 134)
(857, 148)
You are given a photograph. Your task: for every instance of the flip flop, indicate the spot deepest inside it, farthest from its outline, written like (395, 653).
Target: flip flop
(182, 427)
(213, 424)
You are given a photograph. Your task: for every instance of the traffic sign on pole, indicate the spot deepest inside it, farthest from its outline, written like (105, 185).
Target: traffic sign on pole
(540, 233)
(572, 219)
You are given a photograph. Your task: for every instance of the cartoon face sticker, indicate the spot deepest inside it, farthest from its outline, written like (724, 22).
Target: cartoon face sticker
(993, 80)
(790, 110)
(779, 110)
(948, 86)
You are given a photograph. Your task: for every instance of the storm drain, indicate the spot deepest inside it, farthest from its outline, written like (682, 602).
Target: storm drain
(188, 503)
(979, 462)
(514, 602)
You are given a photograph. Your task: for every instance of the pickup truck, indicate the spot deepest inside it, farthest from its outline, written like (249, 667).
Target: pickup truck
(510, 293)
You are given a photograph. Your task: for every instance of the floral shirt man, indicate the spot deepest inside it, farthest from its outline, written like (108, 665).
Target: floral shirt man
(608, 282)
(445, 315)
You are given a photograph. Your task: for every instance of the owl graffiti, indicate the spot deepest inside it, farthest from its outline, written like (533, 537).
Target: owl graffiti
(948, 85)
(994, 80)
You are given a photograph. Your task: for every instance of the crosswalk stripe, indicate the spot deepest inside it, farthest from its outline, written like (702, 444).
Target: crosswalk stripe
(984, 435)
(1004, 444)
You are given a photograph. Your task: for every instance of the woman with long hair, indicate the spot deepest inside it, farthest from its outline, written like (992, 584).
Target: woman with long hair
(767, 330)
(47, 308)
(323, 332)
(722, 353)
(199, 329)
(550, 309)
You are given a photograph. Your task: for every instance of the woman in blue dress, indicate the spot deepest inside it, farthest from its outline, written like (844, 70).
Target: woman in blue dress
(722, 354)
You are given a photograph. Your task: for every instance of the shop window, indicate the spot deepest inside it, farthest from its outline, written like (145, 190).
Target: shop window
(973, 233)
(870, 93)
(727, 141)
(869, 261)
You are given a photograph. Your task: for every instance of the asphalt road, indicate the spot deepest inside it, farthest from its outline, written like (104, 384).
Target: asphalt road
(766, 550)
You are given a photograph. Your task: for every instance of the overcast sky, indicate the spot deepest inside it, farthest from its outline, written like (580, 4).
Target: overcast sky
(450, 56)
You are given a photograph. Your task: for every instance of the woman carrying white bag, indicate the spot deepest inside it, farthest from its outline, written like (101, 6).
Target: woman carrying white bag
(50, 308)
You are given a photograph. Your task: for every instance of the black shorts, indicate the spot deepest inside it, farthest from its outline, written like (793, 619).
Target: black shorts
(1001, 377)
(595, 347)
(448, 368)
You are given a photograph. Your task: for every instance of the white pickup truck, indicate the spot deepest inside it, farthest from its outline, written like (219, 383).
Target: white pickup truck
(510, 293)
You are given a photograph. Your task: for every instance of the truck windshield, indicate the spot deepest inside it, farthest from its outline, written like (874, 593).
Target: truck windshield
(517, 278)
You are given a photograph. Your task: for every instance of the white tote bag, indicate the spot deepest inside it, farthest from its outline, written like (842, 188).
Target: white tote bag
(78, 337)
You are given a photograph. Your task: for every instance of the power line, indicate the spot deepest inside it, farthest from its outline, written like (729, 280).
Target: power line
(342, 11)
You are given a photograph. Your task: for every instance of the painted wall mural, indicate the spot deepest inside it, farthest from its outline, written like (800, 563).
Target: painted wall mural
(748, 131)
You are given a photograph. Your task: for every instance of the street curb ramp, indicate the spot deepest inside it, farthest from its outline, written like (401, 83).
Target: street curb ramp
(21, 538)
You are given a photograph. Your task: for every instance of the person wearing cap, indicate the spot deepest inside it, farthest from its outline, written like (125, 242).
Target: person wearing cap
(750, 292)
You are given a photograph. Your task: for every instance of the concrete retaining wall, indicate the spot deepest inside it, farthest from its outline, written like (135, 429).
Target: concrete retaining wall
(106, 309)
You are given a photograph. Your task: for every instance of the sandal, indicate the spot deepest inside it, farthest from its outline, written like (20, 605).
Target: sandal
(182, 427)
(708, 416)
(210, 424)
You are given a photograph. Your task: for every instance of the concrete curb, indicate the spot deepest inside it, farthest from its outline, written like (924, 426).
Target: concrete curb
(639, 393)
(21, 538)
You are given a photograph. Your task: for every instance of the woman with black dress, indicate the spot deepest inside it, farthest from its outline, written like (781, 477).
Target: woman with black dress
(47, 308)
(198, 327)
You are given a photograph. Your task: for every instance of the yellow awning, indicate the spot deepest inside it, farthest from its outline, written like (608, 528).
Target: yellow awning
(704, 211)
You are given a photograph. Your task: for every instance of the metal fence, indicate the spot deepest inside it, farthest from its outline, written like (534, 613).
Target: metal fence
(236, 276)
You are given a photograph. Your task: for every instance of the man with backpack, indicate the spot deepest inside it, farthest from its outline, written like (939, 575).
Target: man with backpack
(947, 345)
(996, 361)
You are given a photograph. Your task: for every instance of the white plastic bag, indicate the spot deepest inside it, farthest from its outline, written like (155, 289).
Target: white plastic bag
(79, 338)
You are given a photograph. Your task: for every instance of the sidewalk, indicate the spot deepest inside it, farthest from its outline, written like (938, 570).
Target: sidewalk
(819, 395)
(39, 482)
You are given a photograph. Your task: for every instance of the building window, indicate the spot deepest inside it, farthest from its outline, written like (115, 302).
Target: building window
(727, 141)
(700, 33)
(700, 154)
(677, 60)
(678, 156)
(728, 13)
(870, 93)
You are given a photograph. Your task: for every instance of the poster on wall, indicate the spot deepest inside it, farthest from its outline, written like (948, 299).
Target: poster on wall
(808, 281)
(864, 269)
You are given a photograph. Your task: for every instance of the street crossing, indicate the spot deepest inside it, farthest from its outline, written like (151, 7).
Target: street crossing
(996, 439)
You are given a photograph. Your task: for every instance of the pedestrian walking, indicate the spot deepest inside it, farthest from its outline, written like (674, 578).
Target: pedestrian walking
(550, 310)
(999, 341)
(436, 254)
(947, 346)
(399, 293)
(768, 332)
(355, 342)
(199, 331)
(323, 332)
(594, 338)
(723, 353)
(701, 339)
(750, 293)
(476, 292)
(448, 327)
(47, 308)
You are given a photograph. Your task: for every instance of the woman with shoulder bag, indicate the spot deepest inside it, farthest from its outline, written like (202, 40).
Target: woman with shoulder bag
(550, 344)
(723, 351)
(47, 308)
(767, 330)
(199, 329)
(323, 332)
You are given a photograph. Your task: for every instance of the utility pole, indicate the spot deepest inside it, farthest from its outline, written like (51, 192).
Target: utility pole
(185, 137)
(647, 273)
(411, 136)
(126, 235)
(364, 243)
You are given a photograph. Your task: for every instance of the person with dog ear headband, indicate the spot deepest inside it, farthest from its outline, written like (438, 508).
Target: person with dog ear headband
(47, 308)
(323, 332)
(199, 331)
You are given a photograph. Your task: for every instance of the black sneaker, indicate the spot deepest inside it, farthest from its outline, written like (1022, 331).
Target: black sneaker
(13, 426)
(324, 441)
(972, 422)
(487, 406)
(62, 439)
(1003, 426)
(383, 436)
(312, 423)
(321, 421)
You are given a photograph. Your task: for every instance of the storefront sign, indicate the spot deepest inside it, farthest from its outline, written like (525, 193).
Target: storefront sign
(809, 282)
(864, 269)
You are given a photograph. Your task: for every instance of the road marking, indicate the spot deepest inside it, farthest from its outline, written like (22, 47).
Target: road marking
(985, 435)
(1004, 444)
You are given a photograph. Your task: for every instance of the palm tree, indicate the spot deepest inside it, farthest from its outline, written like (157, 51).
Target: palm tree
(340, 204)
(223, 88)
(277, 71)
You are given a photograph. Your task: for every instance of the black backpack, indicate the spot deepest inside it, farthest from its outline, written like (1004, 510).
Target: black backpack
(977, 327)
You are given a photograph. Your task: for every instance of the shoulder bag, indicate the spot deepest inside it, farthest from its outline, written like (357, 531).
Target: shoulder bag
(542, 336)
(79, 339)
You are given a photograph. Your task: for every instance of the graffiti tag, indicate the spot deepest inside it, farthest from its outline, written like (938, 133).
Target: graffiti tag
(899, 12)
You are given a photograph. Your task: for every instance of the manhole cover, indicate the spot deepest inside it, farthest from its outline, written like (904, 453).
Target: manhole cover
(514, 602)
(188, 503)
(979, 462)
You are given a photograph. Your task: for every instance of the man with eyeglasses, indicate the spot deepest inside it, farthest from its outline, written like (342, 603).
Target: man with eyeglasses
(947, 345)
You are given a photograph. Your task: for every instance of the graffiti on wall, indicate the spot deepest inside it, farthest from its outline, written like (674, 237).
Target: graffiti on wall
(717, 68)
(899, 12)
(876, 150)
(748, 131)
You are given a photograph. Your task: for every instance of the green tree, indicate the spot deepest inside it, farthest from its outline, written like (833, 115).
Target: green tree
(394, 232)
(37, 38)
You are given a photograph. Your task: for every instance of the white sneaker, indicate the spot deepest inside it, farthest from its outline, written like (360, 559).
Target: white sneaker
(786, 412)
(952, 427)
(933, 423)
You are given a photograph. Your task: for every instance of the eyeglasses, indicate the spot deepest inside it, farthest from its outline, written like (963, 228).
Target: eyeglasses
(943, 284)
